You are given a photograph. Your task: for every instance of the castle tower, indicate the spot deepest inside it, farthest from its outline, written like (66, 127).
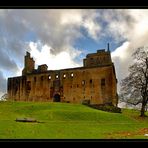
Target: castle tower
(101, 58)
(29, 64)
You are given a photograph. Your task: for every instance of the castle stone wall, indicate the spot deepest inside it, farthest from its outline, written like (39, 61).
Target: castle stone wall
(95, 81)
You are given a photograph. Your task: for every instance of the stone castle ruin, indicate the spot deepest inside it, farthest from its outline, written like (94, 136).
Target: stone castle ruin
(95, 81)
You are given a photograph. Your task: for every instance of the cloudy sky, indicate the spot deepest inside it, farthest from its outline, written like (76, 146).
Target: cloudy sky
(61, 38)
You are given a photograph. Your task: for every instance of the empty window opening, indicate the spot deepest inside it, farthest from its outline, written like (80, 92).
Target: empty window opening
(72, 74)
(90, 81)
(102, 82)
(77, 85)
(34, 79)
(28, 85)
(49, 77)
(57, 76)
(64, 76)
(42, 78)
(83, 82)
(91, 60)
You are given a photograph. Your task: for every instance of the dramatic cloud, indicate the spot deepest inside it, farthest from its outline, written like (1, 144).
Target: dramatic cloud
(2, 84)
(122, 59)
(60, 61)
(135, 34)
(51, 36)
(6, 62)
(48, 34)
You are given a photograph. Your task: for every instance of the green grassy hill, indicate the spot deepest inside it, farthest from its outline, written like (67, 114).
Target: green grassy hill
(68, 121)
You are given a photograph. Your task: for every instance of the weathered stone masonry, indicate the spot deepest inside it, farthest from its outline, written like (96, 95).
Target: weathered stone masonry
(95, 81)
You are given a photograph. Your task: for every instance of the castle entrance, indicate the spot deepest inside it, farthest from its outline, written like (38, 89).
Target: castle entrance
(56, 98)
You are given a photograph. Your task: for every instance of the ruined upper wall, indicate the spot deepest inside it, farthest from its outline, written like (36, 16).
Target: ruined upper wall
(96, 81)
(101, 58)
(42, 68)
(28, 64)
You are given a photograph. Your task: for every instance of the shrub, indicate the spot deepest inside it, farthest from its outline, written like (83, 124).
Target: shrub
(86, 102)
(106, 107)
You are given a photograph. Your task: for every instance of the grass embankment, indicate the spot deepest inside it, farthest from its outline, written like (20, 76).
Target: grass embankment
(68, 121)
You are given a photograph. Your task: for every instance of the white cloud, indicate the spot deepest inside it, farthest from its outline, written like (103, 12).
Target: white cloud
(73, 17)
(121, 52)
(135, 35)
(92, 28)
(59, 29)
(122, 59)
(64, 59)
(82, 18)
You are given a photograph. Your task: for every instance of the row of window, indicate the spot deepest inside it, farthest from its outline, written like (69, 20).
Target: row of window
(64, 76)
(83, 81)
(57, 76)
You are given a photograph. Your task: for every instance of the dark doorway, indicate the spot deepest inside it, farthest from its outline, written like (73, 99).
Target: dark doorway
(56, 98)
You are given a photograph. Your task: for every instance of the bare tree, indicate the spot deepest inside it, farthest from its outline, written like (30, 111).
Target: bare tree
(134, 88)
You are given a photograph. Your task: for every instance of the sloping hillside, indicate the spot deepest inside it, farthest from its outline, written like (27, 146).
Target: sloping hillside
(68, 121)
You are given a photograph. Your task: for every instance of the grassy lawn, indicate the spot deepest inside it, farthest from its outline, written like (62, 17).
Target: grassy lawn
(69, 121)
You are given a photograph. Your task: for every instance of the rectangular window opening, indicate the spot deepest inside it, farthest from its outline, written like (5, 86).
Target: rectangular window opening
(64, 76)
(42, 78)
(83, 82)
(102, 82)
(90, 81)
(49, 77)
(57, 76)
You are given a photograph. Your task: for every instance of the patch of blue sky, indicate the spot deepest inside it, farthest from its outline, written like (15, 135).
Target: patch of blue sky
(31, 36)
(90, 45)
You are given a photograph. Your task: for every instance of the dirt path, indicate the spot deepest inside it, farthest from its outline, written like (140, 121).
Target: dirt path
(127, 134)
